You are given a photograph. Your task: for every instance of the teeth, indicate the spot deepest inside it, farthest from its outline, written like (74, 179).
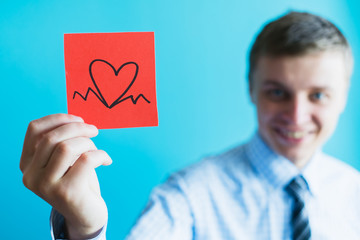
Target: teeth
(296, 134)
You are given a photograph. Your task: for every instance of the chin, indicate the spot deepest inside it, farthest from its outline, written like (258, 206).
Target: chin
(299, 156)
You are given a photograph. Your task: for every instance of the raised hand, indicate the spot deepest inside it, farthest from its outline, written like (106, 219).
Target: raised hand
(58, 164)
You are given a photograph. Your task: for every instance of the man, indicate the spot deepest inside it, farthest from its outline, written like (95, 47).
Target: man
(279, 185)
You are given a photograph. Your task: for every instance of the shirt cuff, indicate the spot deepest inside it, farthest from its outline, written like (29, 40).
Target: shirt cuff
(57, 228)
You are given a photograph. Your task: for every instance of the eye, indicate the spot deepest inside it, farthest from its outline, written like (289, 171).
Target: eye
(276, 94)
(318, 96)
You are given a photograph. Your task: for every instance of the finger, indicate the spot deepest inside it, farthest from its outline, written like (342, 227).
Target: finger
(45, 124)
(38, 127)
(87, 162)
(65, 154)
(60, 134)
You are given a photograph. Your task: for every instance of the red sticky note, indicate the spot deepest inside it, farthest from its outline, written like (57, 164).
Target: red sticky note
(110, 78)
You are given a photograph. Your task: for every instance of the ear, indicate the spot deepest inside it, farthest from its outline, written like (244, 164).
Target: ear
(345, 96)
(252, 93)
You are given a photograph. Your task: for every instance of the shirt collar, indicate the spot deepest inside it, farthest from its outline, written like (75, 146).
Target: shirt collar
(276, 169)
(312, 172)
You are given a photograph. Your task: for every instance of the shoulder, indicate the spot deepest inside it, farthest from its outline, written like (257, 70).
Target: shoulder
(334, 166)
(226, 170)
(214, 165)
(337, 182)
(339, 173)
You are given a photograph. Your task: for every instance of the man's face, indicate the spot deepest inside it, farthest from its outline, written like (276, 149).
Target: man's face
(299, 100)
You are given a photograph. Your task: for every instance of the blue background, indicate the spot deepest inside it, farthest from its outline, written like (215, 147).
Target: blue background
(203, 103)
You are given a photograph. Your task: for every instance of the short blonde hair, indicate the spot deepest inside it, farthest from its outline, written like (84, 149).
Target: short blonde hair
(296, 34)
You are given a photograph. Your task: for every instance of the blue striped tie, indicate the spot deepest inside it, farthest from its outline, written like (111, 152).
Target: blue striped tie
(299, 219)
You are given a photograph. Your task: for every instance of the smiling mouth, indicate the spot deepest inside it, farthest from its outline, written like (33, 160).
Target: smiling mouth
(294, 134)
(289, 135)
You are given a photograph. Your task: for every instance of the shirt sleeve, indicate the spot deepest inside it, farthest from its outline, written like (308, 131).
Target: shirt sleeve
(57, 224)
(167, 215)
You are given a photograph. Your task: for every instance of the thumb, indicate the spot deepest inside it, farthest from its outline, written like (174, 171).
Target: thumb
(88, 161)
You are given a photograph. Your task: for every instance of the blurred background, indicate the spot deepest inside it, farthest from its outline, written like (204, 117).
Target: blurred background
(204, 108)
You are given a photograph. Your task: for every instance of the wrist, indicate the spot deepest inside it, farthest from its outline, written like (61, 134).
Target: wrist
(79, 233)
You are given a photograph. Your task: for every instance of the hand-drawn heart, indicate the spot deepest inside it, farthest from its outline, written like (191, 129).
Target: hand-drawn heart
(112, 88)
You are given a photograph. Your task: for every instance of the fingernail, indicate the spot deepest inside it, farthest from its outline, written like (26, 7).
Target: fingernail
(78, 118)
(93, 126)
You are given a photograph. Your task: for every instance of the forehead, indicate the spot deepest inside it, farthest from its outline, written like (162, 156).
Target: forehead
(320, 70)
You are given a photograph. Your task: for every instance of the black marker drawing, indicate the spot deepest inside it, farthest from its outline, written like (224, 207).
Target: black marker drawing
(121, 97)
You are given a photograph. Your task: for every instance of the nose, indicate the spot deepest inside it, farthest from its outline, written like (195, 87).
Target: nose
(298, 110)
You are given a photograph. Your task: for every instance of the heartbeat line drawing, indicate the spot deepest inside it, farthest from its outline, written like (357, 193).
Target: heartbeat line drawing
(97, 92)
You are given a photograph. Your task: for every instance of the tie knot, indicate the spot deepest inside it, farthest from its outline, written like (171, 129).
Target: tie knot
(297, 187)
